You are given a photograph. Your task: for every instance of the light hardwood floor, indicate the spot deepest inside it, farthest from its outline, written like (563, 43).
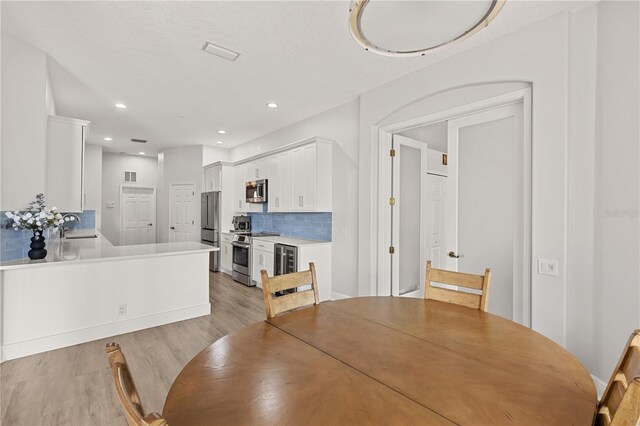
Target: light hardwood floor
(73, 386)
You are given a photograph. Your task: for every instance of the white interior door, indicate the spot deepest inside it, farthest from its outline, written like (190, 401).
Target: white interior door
(486, 200)
(182, 213)
(435, 220)
(408, 216)
(138, 215)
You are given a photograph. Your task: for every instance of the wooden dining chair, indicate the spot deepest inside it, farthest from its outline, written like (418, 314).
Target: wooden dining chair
(276, 304)
(620, 403)
(126, 390)
(460, 279)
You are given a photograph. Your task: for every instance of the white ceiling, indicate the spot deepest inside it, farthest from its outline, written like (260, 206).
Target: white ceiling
(147, 55)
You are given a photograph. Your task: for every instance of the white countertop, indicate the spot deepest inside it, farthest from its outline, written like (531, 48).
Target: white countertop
(62, 251)
(292, 241)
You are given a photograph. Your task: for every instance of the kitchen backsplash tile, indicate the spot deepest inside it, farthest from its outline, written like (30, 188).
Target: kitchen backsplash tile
(15, 244)
(313, 226)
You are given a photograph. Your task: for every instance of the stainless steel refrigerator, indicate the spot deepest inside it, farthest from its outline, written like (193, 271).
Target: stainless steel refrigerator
(210, 232)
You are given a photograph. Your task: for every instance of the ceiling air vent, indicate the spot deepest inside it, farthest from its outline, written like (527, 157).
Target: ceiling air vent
(139, 140)
(220, 51)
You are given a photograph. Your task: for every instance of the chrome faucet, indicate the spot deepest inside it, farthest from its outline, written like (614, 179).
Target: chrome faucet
(62, 228)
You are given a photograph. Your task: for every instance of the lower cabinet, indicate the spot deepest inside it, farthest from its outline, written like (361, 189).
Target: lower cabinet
(226, 252)
(261, 258)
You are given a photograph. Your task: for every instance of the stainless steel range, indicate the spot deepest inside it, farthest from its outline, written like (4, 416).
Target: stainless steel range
(241, 267)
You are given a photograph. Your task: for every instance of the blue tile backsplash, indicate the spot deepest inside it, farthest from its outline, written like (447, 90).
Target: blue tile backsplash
(15, 244)
(313, 226)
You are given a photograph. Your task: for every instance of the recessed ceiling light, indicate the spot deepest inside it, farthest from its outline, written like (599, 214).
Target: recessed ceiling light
(272, 105)
(108, 139)
(222, 132)
(121, 106)
(219, 142)
(141, 153)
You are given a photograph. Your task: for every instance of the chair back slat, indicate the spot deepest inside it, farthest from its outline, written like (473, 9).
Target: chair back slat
(289, 281)
(459, 279)
(277, 304)
(126, 390)
(469, 300)
(620, 403)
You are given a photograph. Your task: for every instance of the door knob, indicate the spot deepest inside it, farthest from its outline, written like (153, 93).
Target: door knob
(172, 227)
(454, 255)
(151, 224)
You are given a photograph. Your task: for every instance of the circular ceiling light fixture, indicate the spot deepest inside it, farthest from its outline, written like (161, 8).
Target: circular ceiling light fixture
(108, 138)
(121, 106)
(222, 132)
(219, 142)
(272, 105)
(417, 27)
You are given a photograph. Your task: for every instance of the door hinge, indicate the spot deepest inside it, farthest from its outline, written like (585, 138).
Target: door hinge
(193, 222)
(392, 153)
(193, 193)
(392, 201)
(392, 249)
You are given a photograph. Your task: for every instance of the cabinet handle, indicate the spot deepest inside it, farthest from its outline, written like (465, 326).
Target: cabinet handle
(257, 174)
(302, 200)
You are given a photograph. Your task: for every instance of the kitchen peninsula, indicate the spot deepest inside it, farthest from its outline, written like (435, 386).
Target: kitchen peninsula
(87, 288)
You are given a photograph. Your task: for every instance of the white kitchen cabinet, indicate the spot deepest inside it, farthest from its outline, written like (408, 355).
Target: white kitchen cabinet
(262, 258)
(279, 188)
(212, 177)
(311, 177)
(226, 253)
(239, 199)
(256, 170)
(65, 163)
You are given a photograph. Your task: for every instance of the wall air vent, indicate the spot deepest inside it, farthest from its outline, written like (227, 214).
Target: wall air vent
(139, 140)
(130, 176)
(220, 51)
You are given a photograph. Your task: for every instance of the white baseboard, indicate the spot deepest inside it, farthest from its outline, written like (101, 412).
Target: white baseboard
(74, 337)
(600, 385)
(337, 296)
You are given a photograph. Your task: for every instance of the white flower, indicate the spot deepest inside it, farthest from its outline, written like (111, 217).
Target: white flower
(53, 209)
(27, 215)
(66, 219)
(58, 216)
(9, 215)
(30, 221)
(60, 222)
(72, 218)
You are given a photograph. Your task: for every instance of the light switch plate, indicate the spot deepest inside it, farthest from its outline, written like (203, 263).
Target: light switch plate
(548, 267)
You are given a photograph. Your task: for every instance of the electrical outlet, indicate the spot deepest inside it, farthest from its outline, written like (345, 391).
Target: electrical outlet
(122, 310)
(548, 267)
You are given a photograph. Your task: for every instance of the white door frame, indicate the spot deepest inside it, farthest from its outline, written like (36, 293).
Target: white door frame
(381, 286)
(196, 208)
(121, 212)
(395, 281)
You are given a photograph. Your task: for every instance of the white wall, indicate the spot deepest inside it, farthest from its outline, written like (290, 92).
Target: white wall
(93, 181)
(617, 181)
(24, 122)
(179, 165)
(339, 124)
(113, 168)
(535, 54)
(212, 154)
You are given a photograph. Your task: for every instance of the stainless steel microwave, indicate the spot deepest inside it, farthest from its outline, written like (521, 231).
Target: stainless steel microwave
(256, 191)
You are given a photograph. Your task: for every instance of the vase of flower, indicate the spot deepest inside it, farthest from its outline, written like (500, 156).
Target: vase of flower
(37, 217)
(37, 245)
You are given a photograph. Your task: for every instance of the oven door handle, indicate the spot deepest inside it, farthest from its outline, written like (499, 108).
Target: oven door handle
(242, 245)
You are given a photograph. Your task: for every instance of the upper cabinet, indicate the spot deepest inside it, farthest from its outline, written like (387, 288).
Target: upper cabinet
(213, 178)
(301, 179)
(279, 187)
(65, 163)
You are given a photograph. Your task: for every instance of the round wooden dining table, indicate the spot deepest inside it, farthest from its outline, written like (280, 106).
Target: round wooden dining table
(383, 360)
